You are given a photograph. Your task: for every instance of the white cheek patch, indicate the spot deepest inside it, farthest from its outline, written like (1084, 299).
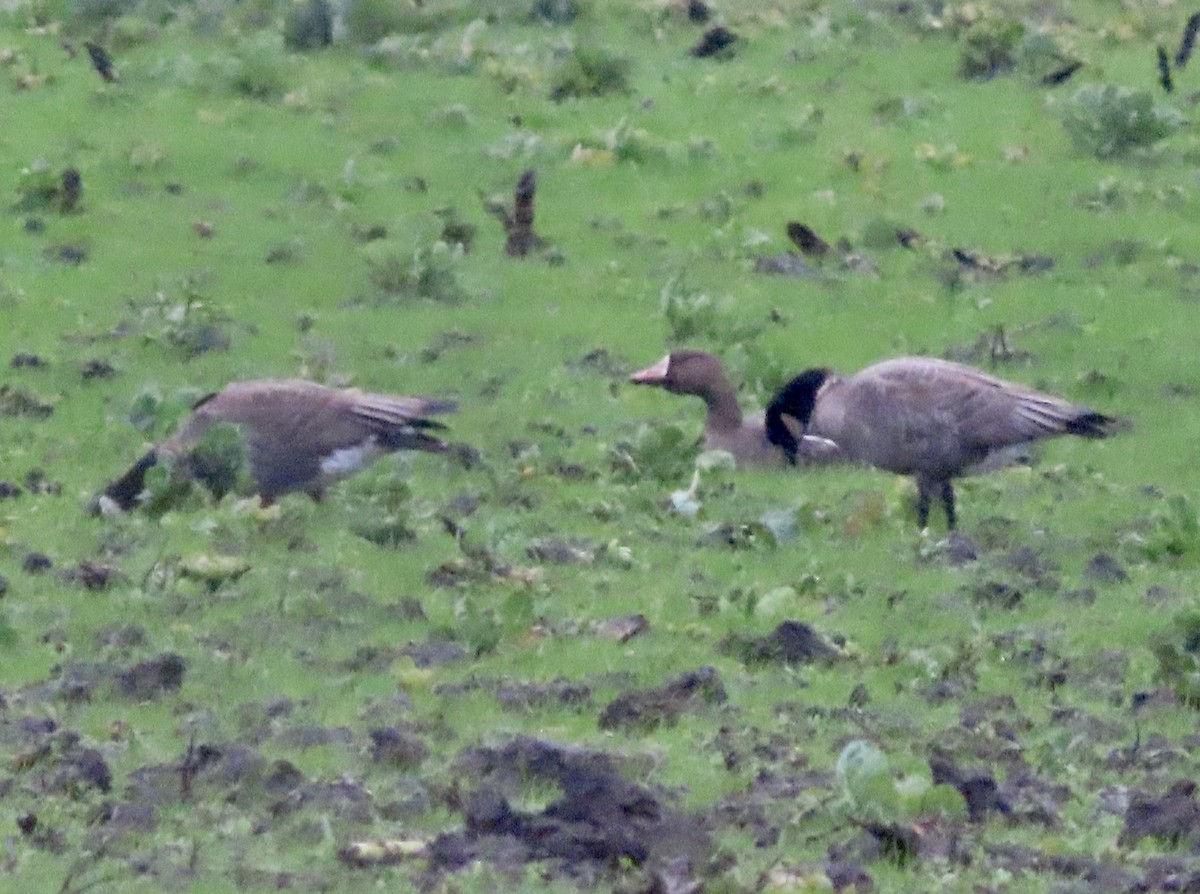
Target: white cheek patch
(349, 460)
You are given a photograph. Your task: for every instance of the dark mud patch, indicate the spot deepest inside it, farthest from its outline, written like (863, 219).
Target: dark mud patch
(717, 42)
(50, 760)
(955, 550)
(1032, 567)
(38, 482)
(69, 254)
(1172, 818)
(28, 360)
(995, 594)
(217, 771)
(524, 695)
(977, 786)
(1104, 569)
(559, 692)
(152, 678)
(36, 563)
(645, 710)
(563, 551)
(398, 748)
(1093, 875)
(97, 368)
(598, 821)
(600, 362)
(92, 575)
(434, 653)
(623, 627)
(80, 681)
(120, 637)
(792, 642)
(302, 736)
(787, 263)
(768, 804)
(369, 658)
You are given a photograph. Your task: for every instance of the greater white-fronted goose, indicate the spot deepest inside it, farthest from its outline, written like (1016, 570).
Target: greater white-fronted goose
(929, 418)
(299, 436)
(702, 375)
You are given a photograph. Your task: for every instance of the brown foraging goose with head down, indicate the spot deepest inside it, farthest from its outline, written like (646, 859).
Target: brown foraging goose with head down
(298, 435)
(702, 375)
(929, 418)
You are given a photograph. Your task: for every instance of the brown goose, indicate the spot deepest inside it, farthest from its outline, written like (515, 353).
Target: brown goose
(702, 375)
(929, 418)
(299, 436)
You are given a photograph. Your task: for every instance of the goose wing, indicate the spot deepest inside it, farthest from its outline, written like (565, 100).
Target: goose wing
(983, 411)
(400, 423)
(292, 426)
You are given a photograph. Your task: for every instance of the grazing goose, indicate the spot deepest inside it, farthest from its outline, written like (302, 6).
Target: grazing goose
(702, 375)
(929, 418)
(299, 436)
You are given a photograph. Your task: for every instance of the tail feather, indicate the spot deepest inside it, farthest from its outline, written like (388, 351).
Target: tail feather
(412, 438)
(1055, 417)
(400, 423)
(402, 410)
(1090, 424)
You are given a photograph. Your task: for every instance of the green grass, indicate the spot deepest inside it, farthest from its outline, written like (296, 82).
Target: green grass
(845, 116)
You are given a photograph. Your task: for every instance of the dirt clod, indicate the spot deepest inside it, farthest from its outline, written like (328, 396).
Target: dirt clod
(649, 708)
(36, 563)
(557, 692)
(72, 255)
(1173, 818)
(83, 767)
(92, 575)
(849, 876)
(97, 368)
(149, 679)
(562, 551)
(434, 652)
(599, 819)
(792, 642)
(624, 627)
(715, 42)
(1104, 569)
(978, 787)
(397, 748)
(999, 594)
(17, 401)
(38, 482)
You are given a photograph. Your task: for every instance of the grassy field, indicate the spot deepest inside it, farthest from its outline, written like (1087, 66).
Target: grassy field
(224, 696)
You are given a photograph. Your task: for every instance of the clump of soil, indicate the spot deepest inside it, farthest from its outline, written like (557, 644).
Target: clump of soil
(792, 642)
(599, 820)
(650, 708)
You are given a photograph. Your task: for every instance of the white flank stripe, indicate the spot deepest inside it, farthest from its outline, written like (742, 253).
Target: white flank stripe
(350, 459)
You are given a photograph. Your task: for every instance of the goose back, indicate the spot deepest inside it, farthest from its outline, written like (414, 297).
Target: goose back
(937, 417)
(299, 435)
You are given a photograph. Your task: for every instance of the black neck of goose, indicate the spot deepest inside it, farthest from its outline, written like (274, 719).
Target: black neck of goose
(797, 399)
(124, 491)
